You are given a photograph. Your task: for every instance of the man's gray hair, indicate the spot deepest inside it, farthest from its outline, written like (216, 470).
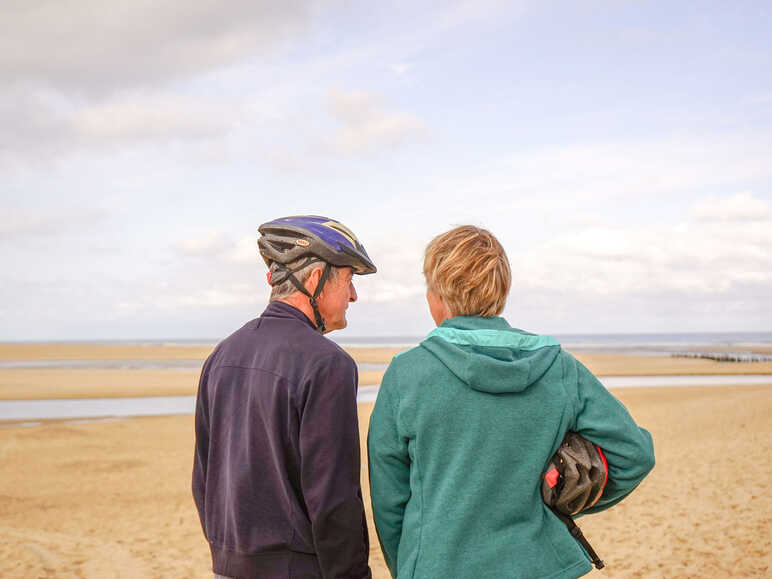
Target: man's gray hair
(287, 288)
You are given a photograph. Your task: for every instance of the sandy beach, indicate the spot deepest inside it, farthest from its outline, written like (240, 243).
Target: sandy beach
(57, 382)
(112, 498)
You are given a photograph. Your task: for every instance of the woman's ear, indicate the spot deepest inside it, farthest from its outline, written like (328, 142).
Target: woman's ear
(437, 307)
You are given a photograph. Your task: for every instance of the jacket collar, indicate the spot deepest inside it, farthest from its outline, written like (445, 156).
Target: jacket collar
(282, 310)
(476, 323)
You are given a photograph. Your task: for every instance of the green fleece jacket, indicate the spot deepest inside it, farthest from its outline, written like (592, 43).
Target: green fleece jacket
(462, 429)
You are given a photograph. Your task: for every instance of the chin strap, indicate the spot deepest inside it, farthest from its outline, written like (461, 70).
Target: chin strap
(289, 274)
(577, 534)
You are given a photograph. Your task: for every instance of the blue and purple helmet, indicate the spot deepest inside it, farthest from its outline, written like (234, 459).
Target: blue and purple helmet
(288, 239)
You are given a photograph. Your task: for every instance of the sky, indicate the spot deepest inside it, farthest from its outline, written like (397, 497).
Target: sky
(620, 151)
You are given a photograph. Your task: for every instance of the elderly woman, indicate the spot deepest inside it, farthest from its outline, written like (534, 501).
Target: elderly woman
(465, 423)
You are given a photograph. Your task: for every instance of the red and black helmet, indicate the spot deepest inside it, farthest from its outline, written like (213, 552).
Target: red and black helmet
(575, 476)
(573, 481)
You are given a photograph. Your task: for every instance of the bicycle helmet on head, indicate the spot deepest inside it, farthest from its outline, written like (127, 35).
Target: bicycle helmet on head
(289, 239)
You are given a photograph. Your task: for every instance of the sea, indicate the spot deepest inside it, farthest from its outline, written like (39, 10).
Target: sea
(585, 342)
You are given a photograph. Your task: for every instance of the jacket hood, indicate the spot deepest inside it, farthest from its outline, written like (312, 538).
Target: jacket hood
(488, 355)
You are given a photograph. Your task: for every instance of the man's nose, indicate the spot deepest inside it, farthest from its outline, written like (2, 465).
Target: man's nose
(352, 294)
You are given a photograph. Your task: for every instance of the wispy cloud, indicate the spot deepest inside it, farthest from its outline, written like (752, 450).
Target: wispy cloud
(400, 68)
(740, 207)
(149, 117)
(42, 124)
(617, 170)
(94, 47)
(94, 74)
(218, 246)
(758, 99)
(701, 257)
(365, 125)
(16, 223)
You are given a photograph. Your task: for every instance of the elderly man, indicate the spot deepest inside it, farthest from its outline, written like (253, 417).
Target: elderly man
(276, 471)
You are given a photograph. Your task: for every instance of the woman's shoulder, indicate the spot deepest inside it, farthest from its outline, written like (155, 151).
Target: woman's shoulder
(410, 365)
(407, 360)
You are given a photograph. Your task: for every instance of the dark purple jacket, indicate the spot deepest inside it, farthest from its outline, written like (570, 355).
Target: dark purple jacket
(276, 471)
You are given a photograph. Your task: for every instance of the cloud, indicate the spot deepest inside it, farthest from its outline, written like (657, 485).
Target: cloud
(88, 46)
(218, 246)
(80, 74)
(221, 296)
(208, 270)
(44, 125)
(618, 170)
(739, 207)
(758, 99)
(400, 68)
(400, 269)
(209, 243)
(16, 223)
(152, 117)
(365, 126)
(695, 257)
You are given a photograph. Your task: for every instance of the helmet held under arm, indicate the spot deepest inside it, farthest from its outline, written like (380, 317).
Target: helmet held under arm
(574, 481)
(575, 476)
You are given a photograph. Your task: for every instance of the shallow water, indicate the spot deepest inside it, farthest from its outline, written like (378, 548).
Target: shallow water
(682, 380)
(106, 407)
(91, 408)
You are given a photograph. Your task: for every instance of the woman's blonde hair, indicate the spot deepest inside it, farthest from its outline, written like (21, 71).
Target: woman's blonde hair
(468, 268)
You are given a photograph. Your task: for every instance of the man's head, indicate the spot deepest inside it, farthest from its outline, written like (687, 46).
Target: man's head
(311, 260)
(467, 272)
(337, 293)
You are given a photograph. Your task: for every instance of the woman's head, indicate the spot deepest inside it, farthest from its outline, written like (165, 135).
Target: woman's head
(468, 270)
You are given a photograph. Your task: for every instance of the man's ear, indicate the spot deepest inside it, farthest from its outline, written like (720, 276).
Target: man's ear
(313, 280)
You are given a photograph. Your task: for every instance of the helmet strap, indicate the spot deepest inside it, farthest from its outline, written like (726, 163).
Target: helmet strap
(283, 273)
(290, 275)
(577, 534)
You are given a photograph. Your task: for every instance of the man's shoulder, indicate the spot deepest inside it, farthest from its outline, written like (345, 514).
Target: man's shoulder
(325, 349)
(282, 335)
(235, 338)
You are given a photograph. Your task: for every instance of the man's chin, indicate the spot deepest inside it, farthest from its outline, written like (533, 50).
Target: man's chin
(337, 326)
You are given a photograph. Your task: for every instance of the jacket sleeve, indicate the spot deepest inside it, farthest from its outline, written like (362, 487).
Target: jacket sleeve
(389, 470)
(604, 420)
(201, 456)
(330, 469)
